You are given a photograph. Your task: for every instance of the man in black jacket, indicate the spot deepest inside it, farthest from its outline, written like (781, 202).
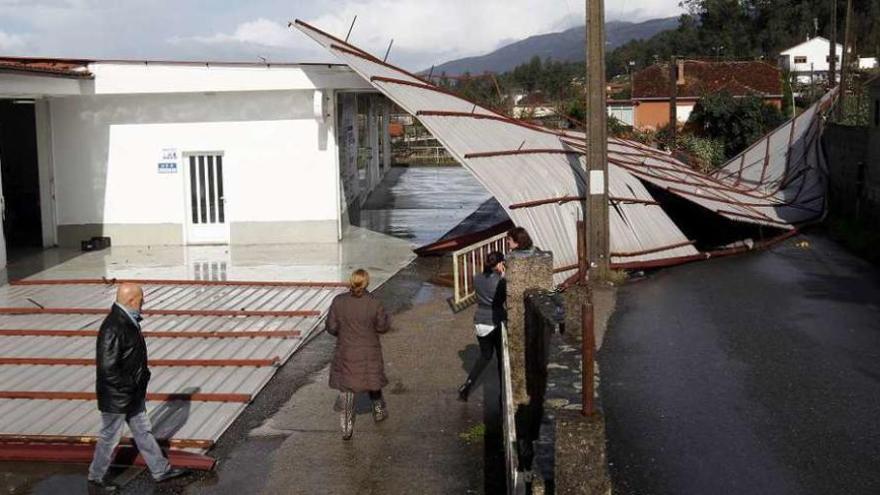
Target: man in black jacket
(121, 385)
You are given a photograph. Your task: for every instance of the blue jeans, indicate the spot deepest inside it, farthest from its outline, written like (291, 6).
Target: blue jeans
(111, 433)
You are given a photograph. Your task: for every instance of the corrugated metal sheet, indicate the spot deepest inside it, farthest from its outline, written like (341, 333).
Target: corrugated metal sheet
(525, 167)
(171, 339)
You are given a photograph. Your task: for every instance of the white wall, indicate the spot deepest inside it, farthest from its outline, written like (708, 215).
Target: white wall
(816, 51)
(279, 163)
(152, 77)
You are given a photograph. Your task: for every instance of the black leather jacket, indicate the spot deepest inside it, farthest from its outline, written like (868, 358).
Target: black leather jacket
(122, 372)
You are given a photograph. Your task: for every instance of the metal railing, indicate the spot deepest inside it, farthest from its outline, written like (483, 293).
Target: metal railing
(468, 262)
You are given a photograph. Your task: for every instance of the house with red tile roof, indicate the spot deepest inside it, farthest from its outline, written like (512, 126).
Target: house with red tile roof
(653, 87)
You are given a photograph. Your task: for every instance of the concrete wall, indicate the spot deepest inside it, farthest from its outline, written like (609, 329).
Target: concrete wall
(854, 170)
(279, 165)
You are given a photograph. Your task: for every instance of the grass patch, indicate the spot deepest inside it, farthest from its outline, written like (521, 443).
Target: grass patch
(618, 277)
(474, 433)
(858, 236)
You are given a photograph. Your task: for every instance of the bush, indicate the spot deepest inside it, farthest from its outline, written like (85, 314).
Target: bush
(736, 122)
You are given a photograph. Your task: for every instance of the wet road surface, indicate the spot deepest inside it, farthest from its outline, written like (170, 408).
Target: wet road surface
(752, 374)
(421, 204)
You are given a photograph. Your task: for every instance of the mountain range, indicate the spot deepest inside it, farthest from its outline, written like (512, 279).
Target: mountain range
(565, 46)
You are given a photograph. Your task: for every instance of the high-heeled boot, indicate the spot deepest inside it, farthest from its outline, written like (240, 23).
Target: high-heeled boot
(380, 410)
(465, 389)
(347, 415)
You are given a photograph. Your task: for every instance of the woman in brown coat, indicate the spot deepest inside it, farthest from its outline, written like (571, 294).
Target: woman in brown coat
(356, 319)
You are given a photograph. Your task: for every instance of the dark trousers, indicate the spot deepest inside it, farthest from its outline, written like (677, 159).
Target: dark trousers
(488, 344)
(376, 394)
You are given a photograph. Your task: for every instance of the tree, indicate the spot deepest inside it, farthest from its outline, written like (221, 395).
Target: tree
(737, 122)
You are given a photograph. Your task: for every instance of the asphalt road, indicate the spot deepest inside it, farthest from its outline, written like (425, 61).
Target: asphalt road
(754, 374)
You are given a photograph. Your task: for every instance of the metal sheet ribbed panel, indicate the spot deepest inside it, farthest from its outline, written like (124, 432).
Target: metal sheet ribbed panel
(176, 297)
(640, 232)
(84, 348)
(175, 419)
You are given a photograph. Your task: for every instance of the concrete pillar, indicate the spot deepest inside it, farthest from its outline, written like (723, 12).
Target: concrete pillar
(46, 170)
(523, 273)
(386, 135)
(373, 135)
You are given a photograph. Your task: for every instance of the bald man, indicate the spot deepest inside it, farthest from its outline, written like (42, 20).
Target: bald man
(121, 385)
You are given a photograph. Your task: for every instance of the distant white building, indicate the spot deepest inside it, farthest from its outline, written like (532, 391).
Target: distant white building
(868, 63)
(176, 153)
(809, 61)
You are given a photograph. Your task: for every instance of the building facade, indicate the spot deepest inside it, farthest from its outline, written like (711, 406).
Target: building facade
(170, 153)
(809, 61)
(693, 79)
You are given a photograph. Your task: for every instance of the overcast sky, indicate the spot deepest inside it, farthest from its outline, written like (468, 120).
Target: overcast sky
(425, 31)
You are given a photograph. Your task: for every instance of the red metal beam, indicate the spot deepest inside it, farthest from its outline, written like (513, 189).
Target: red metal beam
(159, 312)
(209, 283)
(83, 453)
(568, 199)
(181, 443)
(492, 154)
(245, 334)
(42, 361)
(654, 250)
(164, 397)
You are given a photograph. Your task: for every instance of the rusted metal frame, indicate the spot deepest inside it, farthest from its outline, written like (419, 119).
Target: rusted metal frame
(219, 283)
(334, 38)
(159, 312)
(675, 180)
(766, 161)
(712, 184)
(654, 250)
(162, 397)
(724, 200)
(491, 154)
(83, 453)
(566, 268)
(762, 218)
(568, 199)
(635, 265)
(657, 156)
(171, 334)
(182, 443)
(478, 116)
(173, 363)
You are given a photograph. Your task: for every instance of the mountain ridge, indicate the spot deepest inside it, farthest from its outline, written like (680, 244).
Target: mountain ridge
(566, 46)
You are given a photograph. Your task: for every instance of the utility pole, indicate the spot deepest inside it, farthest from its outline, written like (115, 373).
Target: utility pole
(593, 244)
(844, 65)
(832, 51)
(673, 101)
(596, 202)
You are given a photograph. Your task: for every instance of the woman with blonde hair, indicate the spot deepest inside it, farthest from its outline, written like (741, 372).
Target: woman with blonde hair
(356, 319)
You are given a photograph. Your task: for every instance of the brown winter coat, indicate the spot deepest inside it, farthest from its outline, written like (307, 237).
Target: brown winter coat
(356, 322)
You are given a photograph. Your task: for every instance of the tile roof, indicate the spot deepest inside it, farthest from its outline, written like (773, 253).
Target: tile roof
(49, 66)
(740, 78)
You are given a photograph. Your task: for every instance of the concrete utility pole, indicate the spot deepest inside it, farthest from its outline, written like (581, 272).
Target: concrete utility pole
(596, 203)
(673, 101)
(844, 65)
(832, 51)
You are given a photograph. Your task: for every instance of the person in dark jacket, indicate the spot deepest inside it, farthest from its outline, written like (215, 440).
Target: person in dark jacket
(356, 319)
(491, 291)
(519, 242)
(121, 386)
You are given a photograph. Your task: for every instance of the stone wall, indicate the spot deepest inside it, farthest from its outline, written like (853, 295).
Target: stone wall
(854, 170)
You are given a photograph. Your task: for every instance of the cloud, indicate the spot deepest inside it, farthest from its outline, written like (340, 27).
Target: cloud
(11, 42)
(261, 32)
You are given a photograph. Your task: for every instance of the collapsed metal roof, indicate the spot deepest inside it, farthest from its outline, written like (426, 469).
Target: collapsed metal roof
(212, 346)
(537, 174)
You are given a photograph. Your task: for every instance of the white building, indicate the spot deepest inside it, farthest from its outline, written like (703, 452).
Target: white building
(868, 63)
(809, 61)
(172, 153)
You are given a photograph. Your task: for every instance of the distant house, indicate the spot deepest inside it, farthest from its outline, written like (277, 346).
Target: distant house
(868, 63)
(652, 87)
(809, 60)
(532, 106)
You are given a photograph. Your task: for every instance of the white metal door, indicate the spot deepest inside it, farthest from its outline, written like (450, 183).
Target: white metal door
(206, 205)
